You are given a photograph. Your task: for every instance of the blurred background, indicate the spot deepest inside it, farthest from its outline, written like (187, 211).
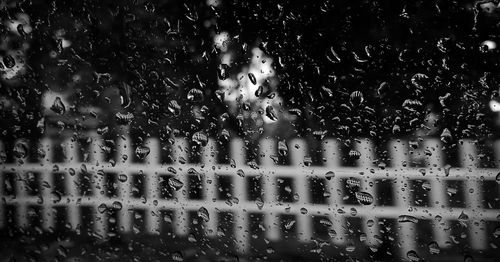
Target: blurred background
(250, 69)
(342, 68)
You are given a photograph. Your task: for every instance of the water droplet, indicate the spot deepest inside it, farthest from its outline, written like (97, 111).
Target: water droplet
(363, 237)
(370, 222)
(468, 258)
(356, 98)
(332, 56)
(195, 95)
(122, 178)
(102, 131)
(319, 134)
(174, 108)
(58, 107)
(289, 224)
(303, 210)
(353, 182)
(240, 173)
(117, 205)
(55, 197)
(444, 44)
(9, 61)
(200, 138)
(412, 256)
(203, 213)
(433, 248)
(259, 203)
(220, 95)
(418, 80)
(354, 154)
(83, 169)
(270, 113)
(102, 208)
(252, 78)
(487, 46)
(407, 218)
(177, 256)
(350, 247)
(282, 148)
(364, 198)
(496, 233)
(326, 222)
(224, 135)
(142, 151)
(295, 111)
(168, 218)
(412, 105)
(426, 186)
(41, 153)
(192, 238)
(125, 95)
(20, 149)
(124, 119)
(463, 219)
(332, 233)
(222, 71)
(497, 178)
(307, 161)
(270, 250)
(3, 156)
(329, 175)
(451, 191)
(20, 30)
(259, 91)
(175, 183)
(446, 136)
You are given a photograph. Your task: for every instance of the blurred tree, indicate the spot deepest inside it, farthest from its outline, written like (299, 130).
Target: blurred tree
(409, 60)
(153, 54)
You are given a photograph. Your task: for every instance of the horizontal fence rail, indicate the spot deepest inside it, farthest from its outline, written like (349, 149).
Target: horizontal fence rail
(170, 167)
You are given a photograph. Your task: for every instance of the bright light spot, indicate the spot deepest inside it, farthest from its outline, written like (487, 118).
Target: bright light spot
(490, 44)
(260, 67)
(494, 106)
(221, 41)
(213, 3)
(21, 19)
(17, 69)
(48, 100)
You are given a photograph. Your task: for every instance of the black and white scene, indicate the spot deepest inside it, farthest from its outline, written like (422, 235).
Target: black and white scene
(249, 130)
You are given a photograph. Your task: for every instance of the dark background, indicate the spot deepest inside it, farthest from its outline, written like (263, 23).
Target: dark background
(164, 49)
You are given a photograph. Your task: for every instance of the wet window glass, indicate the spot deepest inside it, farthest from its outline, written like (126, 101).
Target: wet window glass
(244, 130)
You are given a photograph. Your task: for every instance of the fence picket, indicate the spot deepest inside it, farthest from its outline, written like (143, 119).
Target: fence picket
(365, 162)
(299, 173)
(271, 219)
(71, 150)
(179, 152)
(97, 156)
(469, 160)
(208, 159)
(298, 151)
(123, 158)
(21, 190)
(151, 189)
(333, 157)
(2, 183)
(46, 182)
(242, 238)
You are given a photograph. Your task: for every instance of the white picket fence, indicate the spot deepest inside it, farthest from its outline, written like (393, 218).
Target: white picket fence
(366, 172)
